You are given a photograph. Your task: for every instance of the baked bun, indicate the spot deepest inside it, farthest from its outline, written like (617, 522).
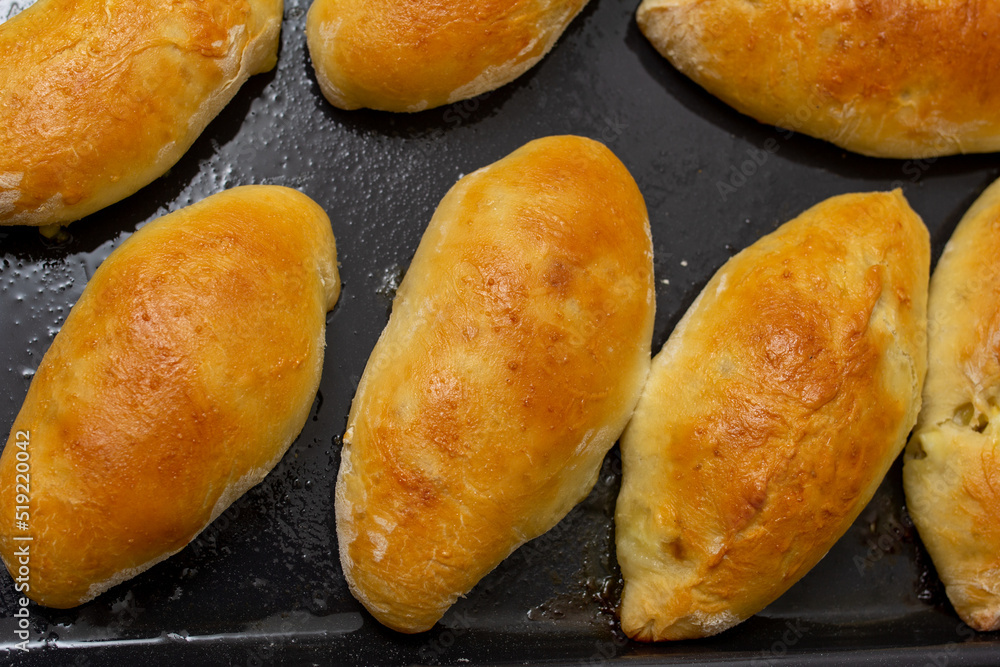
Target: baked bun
(771, 415)
(518, 344)
(952, 466)
(411, 56)
(888, 78)
(183, 373)
(100, 98)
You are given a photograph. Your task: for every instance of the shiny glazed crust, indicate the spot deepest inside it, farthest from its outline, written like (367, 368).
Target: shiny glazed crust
(180, 377)
(518, 344)
(888, 78)
(952, 469)
(410, 56)
(100, 98)
(771, 415)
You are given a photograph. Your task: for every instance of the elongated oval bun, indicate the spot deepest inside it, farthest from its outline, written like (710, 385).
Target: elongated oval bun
(952, 469)
(102, 97)
(179, 379)
(411, 56)
(517, 346)
(888, 78)
(771, 415)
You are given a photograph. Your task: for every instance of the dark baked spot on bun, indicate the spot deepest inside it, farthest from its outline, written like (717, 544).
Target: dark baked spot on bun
(793, 342)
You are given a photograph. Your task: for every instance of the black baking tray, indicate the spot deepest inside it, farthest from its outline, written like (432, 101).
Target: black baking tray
(263, 585)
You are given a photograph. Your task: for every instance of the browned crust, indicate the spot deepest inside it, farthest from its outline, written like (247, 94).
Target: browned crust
(100, 98)
(410, 56)
(889, 78)
(771, 415)
(180, 377)
(518, 343)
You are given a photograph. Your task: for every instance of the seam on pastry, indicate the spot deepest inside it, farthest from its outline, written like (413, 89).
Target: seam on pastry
(235, 68)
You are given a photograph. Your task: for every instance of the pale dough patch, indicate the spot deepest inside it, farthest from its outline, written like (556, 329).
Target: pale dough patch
(9, 194)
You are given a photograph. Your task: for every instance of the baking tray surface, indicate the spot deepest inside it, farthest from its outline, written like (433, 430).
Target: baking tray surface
(263, 584)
